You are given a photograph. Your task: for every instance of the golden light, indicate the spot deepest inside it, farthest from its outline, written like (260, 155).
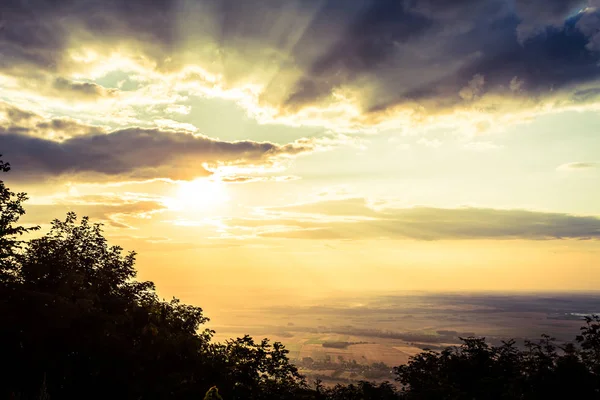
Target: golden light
(199, 195)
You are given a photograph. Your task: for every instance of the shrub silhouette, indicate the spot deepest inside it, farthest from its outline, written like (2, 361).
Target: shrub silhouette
(77, 324)
(476, 370)
(213, 394)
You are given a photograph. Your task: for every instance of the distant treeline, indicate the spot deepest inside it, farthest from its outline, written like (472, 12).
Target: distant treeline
(76, 324)
(439, 337)
(341, 345)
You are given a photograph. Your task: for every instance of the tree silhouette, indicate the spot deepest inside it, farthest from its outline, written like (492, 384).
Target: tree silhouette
(11, 209)
(477, 370)
(589, 340)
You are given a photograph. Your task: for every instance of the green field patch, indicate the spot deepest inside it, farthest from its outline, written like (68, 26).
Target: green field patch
(293, 346)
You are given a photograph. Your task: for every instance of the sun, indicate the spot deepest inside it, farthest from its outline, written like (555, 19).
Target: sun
(199, 195)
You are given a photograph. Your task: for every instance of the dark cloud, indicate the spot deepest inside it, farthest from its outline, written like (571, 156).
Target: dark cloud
(536, 15)
(16, 115)
(136, 152)
(424, 53)
(366, 44)
(420, 54)
(133, 152)
(66, 127)
(37, 32)
(17, 121)
(589, 25)
(80, 90)
(423, 223)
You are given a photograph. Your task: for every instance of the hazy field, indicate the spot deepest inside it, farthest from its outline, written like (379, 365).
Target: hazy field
(340, 339)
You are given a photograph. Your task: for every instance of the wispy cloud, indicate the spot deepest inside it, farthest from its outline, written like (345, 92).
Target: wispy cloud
(113, 210)
(578, 166)
(353, 219)
(254, 179)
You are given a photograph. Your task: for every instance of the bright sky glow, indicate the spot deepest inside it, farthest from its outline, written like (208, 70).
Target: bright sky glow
(292, 148)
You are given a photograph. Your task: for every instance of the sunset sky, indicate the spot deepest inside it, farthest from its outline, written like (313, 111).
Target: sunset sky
(286, 148)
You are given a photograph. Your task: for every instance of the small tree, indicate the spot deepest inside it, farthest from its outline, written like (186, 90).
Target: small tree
(11, 209)
(589, 340)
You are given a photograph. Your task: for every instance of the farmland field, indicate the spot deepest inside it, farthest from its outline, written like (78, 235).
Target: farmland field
(341, 344)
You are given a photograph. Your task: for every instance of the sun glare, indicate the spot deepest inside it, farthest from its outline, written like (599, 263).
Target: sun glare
(199, 195)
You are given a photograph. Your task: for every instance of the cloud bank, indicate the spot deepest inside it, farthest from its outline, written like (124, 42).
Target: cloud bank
(39, 149)
(364, 61)
(323, 221)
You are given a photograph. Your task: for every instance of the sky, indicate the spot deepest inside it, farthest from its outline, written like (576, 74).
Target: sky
(278, 150)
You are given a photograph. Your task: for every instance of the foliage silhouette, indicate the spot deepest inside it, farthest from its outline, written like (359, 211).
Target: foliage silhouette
(476, 370)
(77, 324)
(213, 394)
(11, 209)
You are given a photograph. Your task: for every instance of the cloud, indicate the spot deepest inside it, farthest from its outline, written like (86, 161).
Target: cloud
(14, 114)
(18, 121)
(321, 221)
(254, 179)
(110, 209)
(177, 109)
(132, 153)
(136, 153)
(536, 16)
(435, 56)
(474, 88)
(578, 166)
(39, 32)
(307, 62)
(339, 207)
(81, 90)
